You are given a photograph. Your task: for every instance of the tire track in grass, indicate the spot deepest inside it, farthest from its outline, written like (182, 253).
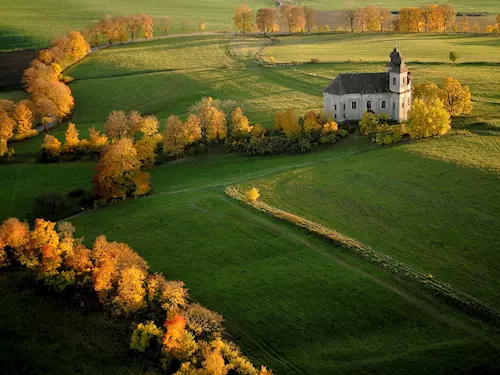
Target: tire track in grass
(446, 316)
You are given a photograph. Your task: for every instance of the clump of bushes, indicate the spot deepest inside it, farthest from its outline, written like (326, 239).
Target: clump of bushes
(185, 337)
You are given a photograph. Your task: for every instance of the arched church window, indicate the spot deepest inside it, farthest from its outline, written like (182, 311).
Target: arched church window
(353, 105)
(369, 104)
(384, 104)
(394, 81)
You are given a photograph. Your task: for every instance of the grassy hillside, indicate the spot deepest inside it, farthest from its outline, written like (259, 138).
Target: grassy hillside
(292, 301)
(33, 24)
(44, 335)
(431, 214)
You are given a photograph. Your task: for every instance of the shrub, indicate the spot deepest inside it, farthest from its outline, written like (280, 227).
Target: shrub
(143, 336)
(252, 195)
(76, 192)
(314, 61)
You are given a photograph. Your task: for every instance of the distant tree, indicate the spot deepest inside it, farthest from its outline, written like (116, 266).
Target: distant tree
(212, 120)
(351, 16)
(108, 29)
(464, 25)
(227, 106)
(449, 16)
(146, 151)
(453, 56)
(266, 20)
(116, 126)
(7, 125)
(146, 23)
(427, 119)
(97, 141)
(149, 125)
(373, 18)
(174, 139)
(310, 18)
(133, 25)
(121, 28)
(285, 12)
(476, 28)
(457, 98)
(384, 15)
(362, 19)
(297, 19)
(243, 17)
(165, 23)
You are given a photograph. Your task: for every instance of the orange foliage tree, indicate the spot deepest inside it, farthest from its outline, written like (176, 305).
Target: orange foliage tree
(116, 171)
(243, 17)
(71, 139)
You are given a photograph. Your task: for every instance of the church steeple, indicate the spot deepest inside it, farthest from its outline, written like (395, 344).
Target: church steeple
(397, 63)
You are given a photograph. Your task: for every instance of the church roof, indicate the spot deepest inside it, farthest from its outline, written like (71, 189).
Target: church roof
(359, 83)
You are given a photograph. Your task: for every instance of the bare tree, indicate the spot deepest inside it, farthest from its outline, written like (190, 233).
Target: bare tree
(310, 16)
(351, 16)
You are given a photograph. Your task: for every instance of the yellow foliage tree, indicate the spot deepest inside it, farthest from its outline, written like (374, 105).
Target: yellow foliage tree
(266, 20)
(51, 146)
(149, 126)
(311, 122)
(7, 125)
(23, 116)
(427, 119)
(71, 139)
(144, 334)
(174, 138)
(428, 91)
(146, 154)
(131, 291)
(192, 130)
(457, 98)
(286, 122)
(252, 195)
(97, 141)
(240, 124)
(243, 17)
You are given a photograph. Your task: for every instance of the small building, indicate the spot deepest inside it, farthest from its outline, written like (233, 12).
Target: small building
(352, 94)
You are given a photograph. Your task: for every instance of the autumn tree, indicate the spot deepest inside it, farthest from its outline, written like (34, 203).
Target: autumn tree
(362, 19)
(449, 16)
(453, 56)
(267, 20)
(252, 195)
(115, 171)
(71, 139)
(165, 23)
(427, 119)
(131, 292)
(311, 122)
(146, 23)
(97, 141)
(50, 148)
(427, 91)
(146, 151)
(192, 130)
(133, 25)
(351, 17)
(240, 123)
(310, 18)
(373, 16)
(411, 20)
(243, 17)
(285, 12)
(116, 126)
(297, 19)
(149, 126)
(464, 25)
(7, 125)
(23, 117)
(174, 139)
(457, 98)
(202, 321)
(371, 123)
(108, 29)
(286, 122)
(212, 120)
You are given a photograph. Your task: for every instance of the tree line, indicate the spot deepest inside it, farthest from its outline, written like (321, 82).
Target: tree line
(182, 336)
(132, 143)
(430, 18)
(51, 99)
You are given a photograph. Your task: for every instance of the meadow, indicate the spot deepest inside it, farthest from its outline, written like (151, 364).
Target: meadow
(293, 301)
(34, 24)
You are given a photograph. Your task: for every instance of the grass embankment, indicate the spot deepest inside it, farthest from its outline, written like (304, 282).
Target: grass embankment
(41, 334)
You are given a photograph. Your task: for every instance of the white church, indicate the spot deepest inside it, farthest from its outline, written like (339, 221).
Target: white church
(352, 94)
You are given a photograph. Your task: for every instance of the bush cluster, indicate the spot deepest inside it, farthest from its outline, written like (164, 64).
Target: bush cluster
(185, 337)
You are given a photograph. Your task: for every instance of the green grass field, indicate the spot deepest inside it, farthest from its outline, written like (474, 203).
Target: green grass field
(292, 301)
(376, 47)
(34, 24)
(49, 336)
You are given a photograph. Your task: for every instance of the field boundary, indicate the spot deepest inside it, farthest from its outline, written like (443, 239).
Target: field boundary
(457, 298)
